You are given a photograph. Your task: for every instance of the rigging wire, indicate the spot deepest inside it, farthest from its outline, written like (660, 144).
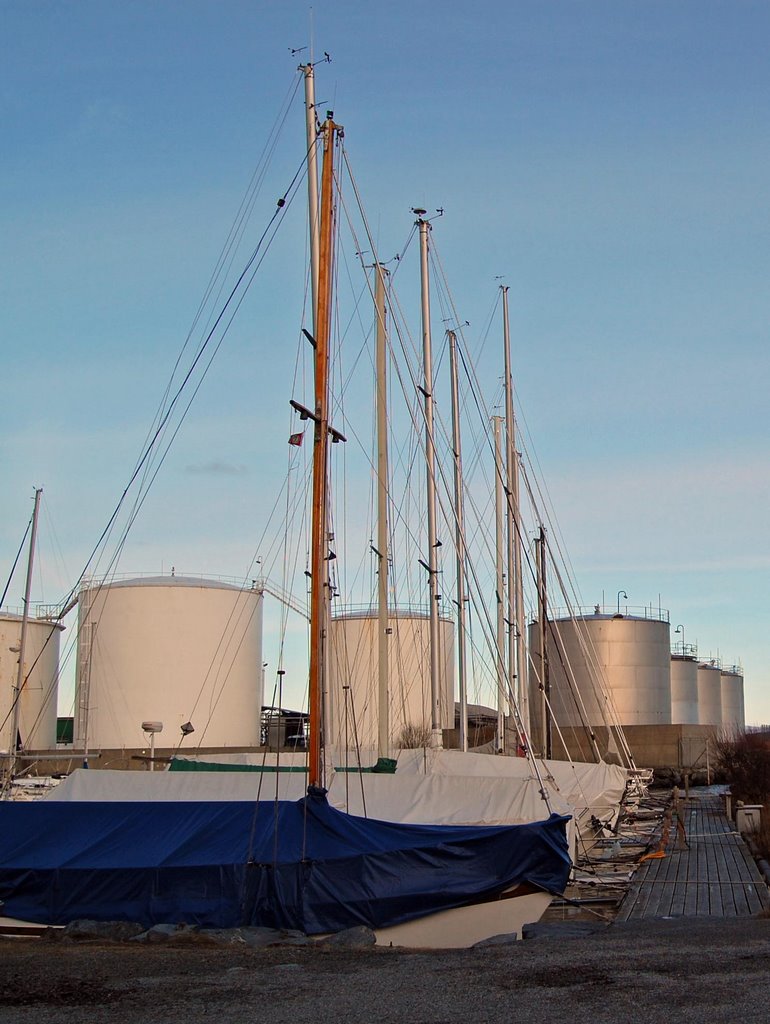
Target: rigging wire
(224, 318)
(14, 566)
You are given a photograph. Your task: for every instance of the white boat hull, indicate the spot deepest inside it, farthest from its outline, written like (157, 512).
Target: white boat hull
(465, 926)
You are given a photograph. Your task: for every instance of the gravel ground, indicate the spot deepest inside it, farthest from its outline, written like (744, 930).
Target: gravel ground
(652, 971)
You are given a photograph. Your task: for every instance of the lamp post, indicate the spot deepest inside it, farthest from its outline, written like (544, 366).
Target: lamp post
(680, 629)
(625, 595)
(151, 728)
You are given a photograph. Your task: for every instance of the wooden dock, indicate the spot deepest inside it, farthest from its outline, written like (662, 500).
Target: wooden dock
(713, 876)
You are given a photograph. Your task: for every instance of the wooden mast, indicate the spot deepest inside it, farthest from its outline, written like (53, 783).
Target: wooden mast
(319, 562)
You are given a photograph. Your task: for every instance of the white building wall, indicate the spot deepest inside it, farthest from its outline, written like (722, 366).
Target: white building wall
(731, 688)
(172, 650)
(709, 695)
(684, 691)
(353, 671)
(37, 705)
(621, 662)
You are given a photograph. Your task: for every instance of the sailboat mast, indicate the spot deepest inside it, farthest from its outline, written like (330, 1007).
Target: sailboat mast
(312, 183)
(383, 723)
(517, 651)
(497, 425)
(542, 617)
(14, 746)
(436, 740)
(462, 677)
(319, 564)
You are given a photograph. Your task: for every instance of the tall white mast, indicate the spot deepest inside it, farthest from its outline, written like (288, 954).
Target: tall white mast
(436, 740)
(517, 650)
(312, 183)
(16, 693)
(542, 618)
(383, 721)
(459, 543)
(497, 424)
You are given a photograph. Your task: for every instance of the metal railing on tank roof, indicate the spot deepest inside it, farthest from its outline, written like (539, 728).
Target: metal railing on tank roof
(654, 613)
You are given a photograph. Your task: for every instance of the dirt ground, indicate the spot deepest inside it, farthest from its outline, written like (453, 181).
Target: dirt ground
(650, 971)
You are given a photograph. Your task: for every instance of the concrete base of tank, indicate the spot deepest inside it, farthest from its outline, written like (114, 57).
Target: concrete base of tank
(652, 746)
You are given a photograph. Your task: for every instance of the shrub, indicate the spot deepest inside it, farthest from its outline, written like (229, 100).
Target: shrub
(745, 762)
(414, 736)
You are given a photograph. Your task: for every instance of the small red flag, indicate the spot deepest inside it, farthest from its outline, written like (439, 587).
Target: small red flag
(296, 439)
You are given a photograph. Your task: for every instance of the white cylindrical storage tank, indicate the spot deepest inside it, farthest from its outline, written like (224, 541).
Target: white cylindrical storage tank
(684, 690)
(169, 649)
(353, 676)
(733, 715)
(37, 704)
(619, 662)
(709, 695)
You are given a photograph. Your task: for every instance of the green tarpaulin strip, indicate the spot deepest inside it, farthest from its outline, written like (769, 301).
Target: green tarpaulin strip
(384, 766)
(181, 765)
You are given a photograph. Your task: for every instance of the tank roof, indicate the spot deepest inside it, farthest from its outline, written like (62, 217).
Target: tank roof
(609, 616)
(33, 619)
(200, 582)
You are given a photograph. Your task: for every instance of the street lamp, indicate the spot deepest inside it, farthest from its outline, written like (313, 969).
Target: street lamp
(151, 728)
(680, 629)
(624, 594)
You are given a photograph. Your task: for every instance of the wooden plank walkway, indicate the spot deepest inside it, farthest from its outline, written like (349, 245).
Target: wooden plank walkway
(714, 877)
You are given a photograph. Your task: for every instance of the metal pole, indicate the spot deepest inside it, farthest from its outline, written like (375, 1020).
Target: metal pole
(90, 636)
(497, 423)
(383, 722)
(459, 543)
(436, 740)
(20, 679)
(542, 615)
(517, 649)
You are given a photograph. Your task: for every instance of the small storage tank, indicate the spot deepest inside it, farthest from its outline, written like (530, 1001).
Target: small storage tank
(733, 713)
(709, 694)
(169, 649)
(353, 675)
(37, 705)
(622, 661)
(684, 690)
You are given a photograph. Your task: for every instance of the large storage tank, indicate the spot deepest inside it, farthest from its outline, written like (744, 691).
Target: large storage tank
(684, 690)
(733, 711)
(709, 694)
(617, 661)
(353, 674)
(169, 649)
(37, 705)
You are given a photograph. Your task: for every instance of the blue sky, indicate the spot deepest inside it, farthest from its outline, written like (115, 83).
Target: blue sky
(610, 160)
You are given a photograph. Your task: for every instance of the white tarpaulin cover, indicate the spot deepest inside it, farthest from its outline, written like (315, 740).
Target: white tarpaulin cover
(410, 799)
(592, 789)
(429, 787)
(413, 798)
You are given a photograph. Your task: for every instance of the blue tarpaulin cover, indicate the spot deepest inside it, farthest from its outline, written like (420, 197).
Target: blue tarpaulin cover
(300, 865)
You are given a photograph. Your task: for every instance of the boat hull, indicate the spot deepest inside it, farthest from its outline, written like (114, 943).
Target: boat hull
(462, 927)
